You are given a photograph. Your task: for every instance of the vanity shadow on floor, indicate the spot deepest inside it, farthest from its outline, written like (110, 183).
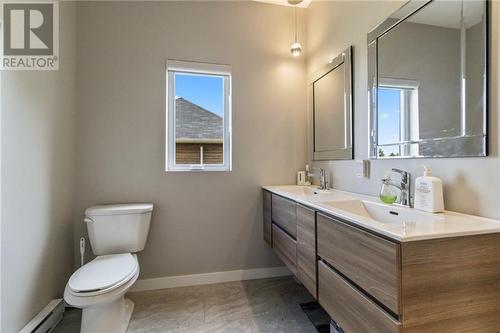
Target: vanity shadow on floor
(317, 315)
(253, 306)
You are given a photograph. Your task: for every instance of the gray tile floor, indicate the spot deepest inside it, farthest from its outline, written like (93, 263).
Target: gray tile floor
(254, 306)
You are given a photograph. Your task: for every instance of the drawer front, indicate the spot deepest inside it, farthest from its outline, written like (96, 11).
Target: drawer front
(267, 218)
(284, 214)
(286, 248)
(351, 310)
(371, 262)
(306, 248)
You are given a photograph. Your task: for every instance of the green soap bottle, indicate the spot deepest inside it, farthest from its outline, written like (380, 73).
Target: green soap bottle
(388, 194)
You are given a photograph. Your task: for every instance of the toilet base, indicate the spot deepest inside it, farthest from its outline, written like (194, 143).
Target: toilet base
(109, 317)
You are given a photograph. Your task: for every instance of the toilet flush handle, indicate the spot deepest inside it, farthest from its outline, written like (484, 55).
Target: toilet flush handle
(88, 220)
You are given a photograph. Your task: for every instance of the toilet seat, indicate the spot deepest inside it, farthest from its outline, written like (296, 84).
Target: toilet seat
(103, 274)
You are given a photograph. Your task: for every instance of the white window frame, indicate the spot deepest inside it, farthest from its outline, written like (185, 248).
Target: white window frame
(196, 68)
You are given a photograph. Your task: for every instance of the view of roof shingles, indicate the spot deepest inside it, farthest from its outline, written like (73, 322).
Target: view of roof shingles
(195, 122)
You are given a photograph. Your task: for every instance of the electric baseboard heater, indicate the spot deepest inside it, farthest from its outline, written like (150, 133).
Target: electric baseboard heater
(47, 319)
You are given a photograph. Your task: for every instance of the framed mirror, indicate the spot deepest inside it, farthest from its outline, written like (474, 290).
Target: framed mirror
(330, 110)
(427, 81)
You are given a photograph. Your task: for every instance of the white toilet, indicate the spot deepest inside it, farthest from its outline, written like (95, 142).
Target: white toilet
(98, 287)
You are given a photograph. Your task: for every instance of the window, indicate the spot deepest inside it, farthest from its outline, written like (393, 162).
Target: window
(397, 118)
(198, 117)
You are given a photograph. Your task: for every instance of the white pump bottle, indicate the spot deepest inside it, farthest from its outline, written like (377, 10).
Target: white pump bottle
(429, 192)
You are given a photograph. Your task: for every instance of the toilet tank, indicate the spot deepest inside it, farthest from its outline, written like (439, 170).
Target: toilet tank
(117, 229)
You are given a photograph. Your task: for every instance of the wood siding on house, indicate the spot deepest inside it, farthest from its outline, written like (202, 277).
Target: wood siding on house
(189, 153)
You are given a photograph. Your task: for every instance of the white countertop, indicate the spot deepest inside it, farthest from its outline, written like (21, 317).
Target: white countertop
(447, 224)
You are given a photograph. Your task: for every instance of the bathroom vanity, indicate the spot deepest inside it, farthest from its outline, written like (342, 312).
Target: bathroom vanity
(382, 268)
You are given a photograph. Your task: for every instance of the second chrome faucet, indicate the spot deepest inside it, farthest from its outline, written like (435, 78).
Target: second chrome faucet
(404, 186)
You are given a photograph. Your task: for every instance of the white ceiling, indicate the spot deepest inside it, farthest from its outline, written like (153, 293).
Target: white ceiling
(303, 4)
(444, 13)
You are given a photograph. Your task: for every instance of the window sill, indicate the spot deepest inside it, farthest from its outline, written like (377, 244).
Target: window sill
(222, 169)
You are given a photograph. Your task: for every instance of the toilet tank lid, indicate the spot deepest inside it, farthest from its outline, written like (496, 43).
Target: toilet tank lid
(119, 209)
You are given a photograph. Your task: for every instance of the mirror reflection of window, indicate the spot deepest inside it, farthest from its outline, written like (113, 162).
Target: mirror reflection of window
(389, 122)
(398, 117)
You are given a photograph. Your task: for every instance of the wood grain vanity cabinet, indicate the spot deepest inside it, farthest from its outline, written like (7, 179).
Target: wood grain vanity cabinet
(280, 228)
(369, 282)
(267, 218)
(285, 247)
(353, 311)
(306, 248)
(451, 284)
(284, 215)
(371, 262)
(293, 236)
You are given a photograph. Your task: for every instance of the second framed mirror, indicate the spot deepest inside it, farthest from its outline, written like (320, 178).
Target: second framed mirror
(330, 110)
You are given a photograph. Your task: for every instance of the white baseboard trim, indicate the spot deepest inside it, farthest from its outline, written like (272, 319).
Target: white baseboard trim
(209, 278)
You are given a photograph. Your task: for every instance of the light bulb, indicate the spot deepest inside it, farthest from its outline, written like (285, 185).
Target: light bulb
(296, 49)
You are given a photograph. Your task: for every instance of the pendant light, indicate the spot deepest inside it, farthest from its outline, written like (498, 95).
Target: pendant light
(296, 48)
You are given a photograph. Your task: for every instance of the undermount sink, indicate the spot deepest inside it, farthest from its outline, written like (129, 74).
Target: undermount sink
(387, 214)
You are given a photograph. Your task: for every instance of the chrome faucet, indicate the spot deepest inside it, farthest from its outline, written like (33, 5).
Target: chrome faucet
(404, 186)
(323, 182)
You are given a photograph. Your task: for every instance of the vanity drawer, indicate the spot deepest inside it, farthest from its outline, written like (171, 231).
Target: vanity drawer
(371, 262)
(351, 310)
(267, 218)
(306, 248)
(286, 248)
(283, 212)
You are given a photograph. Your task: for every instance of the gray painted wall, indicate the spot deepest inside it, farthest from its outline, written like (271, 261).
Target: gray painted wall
(38, 169)
(471, 185)
(202, 222)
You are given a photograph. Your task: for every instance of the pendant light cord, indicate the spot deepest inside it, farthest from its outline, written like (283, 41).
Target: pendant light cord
(295, 11)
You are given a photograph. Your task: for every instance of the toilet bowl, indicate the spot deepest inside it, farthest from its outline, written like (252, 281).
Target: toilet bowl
(99, 287)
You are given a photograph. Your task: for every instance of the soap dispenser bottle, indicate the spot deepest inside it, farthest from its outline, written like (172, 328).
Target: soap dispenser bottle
(429, 192)
(387, 194)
